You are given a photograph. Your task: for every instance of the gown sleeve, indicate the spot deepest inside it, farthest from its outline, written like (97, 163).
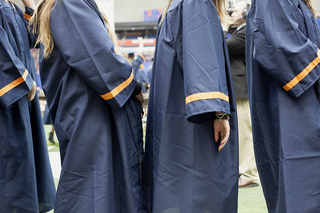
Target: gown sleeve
(81, 36)
(15, 80)
(204, 62)
(282, 49)
(135, 64)
(26, 17)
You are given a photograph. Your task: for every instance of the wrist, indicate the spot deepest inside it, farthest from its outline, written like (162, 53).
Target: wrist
(222, 116)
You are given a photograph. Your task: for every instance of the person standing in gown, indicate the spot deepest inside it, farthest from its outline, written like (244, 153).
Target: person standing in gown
(92, 94)
(248, 173)
(191, 167)
(26, 181)
(283, 56)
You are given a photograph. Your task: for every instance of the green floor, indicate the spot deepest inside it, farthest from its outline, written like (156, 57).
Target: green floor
(51, 147)
(250, 200)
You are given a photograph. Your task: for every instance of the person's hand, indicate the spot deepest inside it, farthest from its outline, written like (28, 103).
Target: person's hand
(29, 3)
(140, 97)
(222, 129)
(32, 93)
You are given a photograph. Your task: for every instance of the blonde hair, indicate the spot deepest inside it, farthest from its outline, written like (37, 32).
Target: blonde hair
(164, 12)
(222, 12)
(220, 5)
(310, 5)
(40, 23)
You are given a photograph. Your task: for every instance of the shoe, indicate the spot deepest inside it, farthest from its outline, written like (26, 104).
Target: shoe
(51, 138)
(242, 183)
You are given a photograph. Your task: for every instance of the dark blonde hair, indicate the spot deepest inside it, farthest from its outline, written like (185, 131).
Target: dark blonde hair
(220, 5)
(310, 5)
(40, 23)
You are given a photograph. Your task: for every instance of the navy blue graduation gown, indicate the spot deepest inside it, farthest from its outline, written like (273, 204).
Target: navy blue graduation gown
(46, 118)
(191, 80)
(97, 121)
(283, 57)
(141, 76)
(135, 64)
(26, 181)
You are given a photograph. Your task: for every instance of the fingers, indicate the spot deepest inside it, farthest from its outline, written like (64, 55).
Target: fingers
(216, 135)
(222, 129)
(30, 96)
(224, 139)
(216, 128)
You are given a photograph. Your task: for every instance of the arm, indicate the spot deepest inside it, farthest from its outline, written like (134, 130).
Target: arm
(29, 3)
(26, 16)
(16, 82)
(204, 62)
(204, 68)
(281, 47)
(81, 36)
(135, 64)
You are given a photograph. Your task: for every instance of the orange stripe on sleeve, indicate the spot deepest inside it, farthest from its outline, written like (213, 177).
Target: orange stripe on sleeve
(28, 17)
(13, 84)
(118, 89)
(142, 56)
(206, 95)
(303, 74)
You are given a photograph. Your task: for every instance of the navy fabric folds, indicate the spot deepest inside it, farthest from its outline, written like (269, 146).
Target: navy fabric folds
(283, 40)
(98, 124)
(191, 80)
(26, 181)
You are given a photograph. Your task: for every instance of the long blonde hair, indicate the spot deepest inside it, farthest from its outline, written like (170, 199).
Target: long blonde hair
(220, 5)
(40, 23)
(310, 5)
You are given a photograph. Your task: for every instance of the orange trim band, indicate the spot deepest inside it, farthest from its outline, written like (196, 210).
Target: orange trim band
(118, 89)
(303, 74)
(13, 84)
(206, 95)
(28, 17)
(142, 56)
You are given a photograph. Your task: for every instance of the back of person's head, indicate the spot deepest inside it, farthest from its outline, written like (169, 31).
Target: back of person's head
(239, 13)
